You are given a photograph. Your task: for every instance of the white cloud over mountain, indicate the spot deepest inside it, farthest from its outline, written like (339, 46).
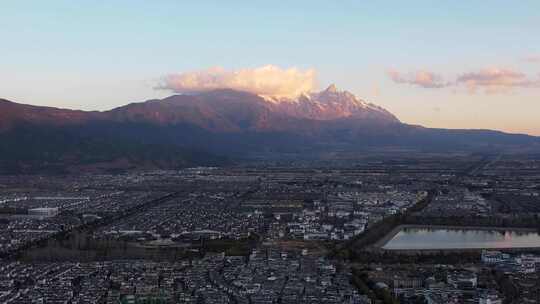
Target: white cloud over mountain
(267, 80)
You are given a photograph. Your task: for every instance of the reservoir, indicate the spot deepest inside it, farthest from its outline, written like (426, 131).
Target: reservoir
(431, 238)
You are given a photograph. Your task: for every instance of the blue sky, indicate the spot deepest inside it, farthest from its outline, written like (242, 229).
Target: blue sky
(102, 54)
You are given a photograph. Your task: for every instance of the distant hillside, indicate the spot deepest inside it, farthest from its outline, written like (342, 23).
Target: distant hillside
(214, 127)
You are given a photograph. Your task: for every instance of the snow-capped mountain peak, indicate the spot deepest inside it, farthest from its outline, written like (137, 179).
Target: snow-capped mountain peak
(328, 104)
(331, 89)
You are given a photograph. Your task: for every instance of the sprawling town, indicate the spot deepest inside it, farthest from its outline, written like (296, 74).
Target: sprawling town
(430, 229)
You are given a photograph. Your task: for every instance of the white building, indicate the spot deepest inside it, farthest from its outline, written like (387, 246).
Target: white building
(489, 298)
(44, 212)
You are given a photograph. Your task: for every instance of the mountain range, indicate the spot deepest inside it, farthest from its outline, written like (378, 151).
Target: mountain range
(216, 127)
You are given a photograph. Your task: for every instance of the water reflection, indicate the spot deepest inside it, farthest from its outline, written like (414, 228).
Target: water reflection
(449, 238)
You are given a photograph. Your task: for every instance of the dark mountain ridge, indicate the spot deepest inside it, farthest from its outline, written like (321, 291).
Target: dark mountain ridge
(213, 127)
